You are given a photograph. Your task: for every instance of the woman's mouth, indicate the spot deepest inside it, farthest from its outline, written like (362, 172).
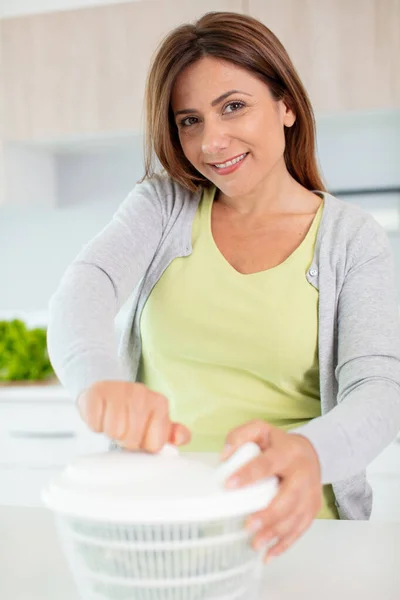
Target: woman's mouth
(230, 165)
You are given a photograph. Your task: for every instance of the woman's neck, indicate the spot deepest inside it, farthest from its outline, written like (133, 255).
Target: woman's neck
(276, 193)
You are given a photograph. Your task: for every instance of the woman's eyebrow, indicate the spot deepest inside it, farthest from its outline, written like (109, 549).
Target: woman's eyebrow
(213, 103)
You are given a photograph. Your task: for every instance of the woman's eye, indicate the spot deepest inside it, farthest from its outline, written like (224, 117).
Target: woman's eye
(188, 121)
(239, 104)
(183, 123)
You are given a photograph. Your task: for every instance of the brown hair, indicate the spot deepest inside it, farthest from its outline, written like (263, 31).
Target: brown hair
(246, 42)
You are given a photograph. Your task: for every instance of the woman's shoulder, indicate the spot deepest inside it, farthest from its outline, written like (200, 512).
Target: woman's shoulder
(162, 189)
(348, 226)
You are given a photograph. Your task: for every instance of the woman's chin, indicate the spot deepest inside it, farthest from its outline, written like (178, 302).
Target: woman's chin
(236, 189)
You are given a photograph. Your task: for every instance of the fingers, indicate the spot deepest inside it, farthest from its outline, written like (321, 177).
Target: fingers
(266, 465)
(280, 531)
(285, 503)
(157, 430)
(179, 434)
(131, 414)
(287, 540)
(287, 517)
(254, 431)
(125, 416)
(299, 497)
(148, 423)
(115, 419)
(137, 416)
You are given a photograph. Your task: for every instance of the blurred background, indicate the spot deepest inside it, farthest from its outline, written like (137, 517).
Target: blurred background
(71, 98)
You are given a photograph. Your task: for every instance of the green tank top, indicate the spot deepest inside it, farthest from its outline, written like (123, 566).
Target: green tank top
(226, 348)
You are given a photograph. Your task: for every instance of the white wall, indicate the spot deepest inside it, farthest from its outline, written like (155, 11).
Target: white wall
(31, 176)
(37, 245)
(37, 242)
(98, 176)
(359, 148)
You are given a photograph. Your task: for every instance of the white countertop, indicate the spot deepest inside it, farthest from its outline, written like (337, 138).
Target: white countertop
(343, 560)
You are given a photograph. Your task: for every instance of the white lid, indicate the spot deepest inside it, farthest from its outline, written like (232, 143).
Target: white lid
(165, 487)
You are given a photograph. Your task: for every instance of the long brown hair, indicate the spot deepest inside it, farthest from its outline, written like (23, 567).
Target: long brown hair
(246, 42)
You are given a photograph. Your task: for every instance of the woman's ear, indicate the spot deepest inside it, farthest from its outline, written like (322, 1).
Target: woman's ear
(287, 113)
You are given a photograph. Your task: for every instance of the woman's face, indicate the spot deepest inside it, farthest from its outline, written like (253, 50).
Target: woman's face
(213, 129)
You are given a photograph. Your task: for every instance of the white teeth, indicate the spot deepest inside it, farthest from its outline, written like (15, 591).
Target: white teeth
(231, 162)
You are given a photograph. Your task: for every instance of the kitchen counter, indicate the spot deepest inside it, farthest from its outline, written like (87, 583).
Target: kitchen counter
(334, 559)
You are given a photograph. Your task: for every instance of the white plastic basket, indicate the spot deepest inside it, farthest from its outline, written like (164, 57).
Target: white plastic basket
(177, 546)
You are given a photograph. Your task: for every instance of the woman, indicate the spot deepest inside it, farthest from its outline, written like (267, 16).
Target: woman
(264, 308)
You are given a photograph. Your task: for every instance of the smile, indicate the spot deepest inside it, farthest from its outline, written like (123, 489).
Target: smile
(230, 165)
(230, 162)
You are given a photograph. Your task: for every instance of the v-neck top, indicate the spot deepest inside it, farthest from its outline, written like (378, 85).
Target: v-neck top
(226, 347)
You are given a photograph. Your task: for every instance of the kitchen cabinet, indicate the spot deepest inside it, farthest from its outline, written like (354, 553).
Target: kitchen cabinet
(40, 432)
(71, 74)
(40, 427)
(347, 53)
(82, 72)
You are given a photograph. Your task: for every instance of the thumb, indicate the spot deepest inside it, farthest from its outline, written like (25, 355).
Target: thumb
(179, 434)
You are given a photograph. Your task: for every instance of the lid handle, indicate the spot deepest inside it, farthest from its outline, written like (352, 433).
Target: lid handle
(169, 450)
(241, 457)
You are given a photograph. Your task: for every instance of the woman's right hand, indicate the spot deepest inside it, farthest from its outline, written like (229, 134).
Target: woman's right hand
(131, 414)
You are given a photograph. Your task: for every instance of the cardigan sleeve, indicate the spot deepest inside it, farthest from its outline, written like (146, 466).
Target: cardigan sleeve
(367, 416)
(81, 336)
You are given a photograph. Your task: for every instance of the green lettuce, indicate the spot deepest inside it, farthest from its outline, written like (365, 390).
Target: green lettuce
(23, 352)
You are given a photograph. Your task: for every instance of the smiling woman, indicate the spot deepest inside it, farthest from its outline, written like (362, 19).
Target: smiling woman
(265, 309)
(200, 61)
(232, 128)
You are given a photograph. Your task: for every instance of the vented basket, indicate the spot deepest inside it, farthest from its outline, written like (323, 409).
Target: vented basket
(127, 555)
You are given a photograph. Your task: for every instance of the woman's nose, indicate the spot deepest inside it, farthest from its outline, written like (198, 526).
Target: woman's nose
(214, 139)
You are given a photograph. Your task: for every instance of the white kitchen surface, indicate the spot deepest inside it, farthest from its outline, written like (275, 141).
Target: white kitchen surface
(344, 560)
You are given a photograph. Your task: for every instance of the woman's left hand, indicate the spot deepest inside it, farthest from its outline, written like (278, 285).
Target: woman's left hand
(292, 458)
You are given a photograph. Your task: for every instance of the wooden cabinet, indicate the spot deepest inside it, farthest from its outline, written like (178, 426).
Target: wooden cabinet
(77, 73)
(347, 52)
(82, 72)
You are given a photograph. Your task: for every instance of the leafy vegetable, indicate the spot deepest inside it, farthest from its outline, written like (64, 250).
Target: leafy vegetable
(23, 352)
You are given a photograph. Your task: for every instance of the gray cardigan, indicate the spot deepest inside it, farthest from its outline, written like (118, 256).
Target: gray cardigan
(359, 328)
